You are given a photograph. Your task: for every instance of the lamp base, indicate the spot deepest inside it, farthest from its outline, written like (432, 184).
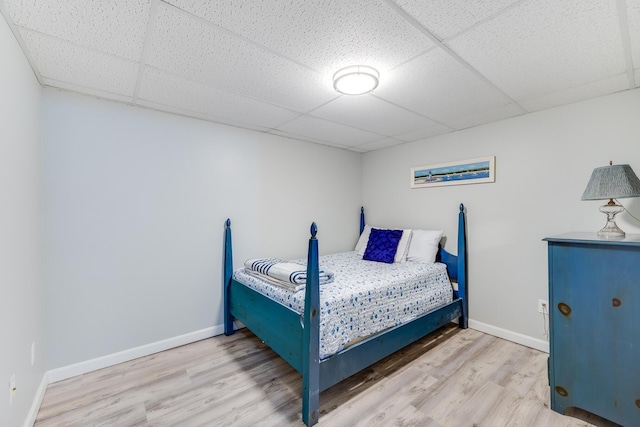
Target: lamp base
(611, 229)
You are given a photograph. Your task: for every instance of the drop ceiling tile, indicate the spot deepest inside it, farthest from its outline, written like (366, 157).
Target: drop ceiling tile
(377, 145)
(445, 18)
(493, 115)
(326, 131)
(307, 138)
(79, 66)
(575, 94)
(323, 35)
(436, 129)
(116, 26)
(439, 87)
(162, 88)
(372, 114)
(539, 47)
(196, 115)
(187, 46)
(633, 16)
(301, 137)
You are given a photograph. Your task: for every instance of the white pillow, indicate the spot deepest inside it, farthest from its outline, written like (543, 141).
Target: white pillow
(361, 246)
(403, 246)
(424, 245)
(401, 251)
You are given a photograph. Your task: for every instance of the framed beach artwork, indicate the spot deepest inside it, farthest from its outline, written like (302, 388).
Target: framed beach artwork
(473, 171)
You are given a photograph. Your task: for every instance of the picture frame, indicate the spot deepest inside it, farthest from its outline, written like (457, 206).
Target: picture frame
(471, 171)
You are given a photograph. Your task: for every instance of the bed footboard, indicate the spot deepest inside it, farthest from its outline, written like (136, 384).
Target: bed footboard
(311, 336)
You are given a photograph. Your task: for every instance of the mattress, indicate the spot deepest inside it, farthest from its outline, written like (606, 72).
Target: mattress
(365, 297)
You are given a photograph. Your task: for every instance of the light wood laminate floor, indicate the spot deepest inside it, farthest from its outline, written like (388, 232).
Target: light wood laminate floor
(452, 377)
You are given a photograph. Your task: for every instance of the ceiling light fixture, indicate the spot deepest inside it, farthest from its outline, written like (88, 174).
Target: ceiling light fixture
(356, 80)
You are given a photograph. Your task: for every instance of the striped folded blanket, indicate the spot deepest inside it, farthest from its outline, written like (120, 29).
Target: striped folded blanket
(289, 274)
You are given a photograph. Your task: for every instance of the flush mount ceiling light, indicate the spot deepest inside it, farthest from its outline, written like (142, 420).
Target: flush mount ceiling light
(356, 80)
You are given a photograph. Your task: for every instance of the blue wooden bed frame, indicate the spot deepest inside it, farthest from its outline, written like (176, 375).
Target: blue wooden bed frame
(296, 338)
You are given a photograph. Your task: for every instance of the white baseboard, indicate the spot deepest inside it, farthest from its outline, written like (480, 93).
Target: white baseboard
(80, 368)
(37, 401)
(525, 340)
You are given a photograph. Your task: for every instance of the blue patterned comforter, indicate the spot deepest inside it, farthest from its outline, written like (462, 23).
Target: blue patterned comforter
(365, 297)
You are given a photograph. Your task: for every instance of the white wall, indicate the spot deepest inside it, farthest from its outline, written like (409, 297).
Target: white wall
(543, 163)
(135, 206)
(20, 231)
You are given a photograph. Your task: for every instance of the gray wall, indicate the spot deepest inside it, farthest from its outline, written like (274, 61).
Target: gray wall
(543, 163)
(135, 205)
(20, 231)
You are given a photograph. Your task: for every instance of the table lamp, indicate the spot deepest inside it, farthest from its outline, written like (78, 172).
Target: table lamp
(612, 182)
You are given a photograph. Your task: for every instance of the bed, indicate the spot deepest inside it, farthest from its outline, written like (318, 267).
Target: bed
(290, 322)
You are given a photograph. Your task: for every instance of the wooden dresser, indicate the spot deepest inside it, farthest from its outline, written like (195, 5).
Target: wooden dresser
(594, 300)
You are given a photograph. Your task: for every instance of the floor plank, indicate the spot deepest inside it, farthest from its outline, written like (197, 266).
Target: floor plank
(451, 377)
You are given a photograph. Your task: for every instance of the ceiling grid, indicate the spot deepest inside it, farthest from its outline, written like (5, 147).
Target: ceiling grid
(444, 65)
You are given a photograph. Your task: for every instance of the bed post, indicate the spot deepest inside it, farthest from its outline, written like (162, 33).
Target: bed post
(463, 292)
(361, 219)
(311, 336)
(228, 270)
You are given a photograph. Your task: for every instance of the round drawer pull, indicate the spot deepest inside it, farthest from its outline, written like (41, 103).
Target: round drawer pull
(616, 302)
(638, 403)
(561, 391)
(564, 309)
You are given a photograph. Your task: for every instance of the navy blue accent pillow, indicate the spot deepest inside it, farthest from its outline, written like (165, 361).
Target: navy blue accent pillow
(382, 245)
